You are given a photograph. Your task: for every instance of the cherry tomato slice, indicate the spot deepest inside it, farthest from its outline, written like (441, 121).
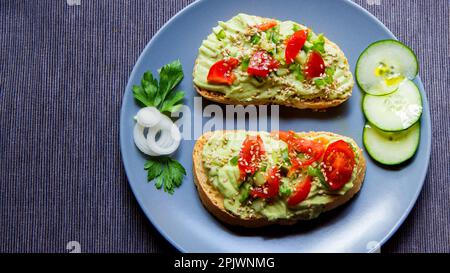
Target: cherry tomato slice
(270, 188)
(315, 66)
(294, 44)
(311, 150)
(339, 162)
(261, 64)
(267, 25)
(250, 155)
(222, 71)
(301, 192)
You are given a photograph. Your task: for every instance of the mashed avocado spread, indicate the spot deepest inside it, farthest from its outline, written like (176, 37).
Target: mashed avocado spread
(240, 38)
(220, 159)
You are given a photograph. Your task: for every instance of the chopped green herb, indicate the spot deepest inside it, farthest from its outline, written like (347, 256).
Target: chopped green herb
(310, 34)
(299, 75)
(296, 28)
(285, 155)
(255, 39)
(285, 190)
(330, 71)
(273, 35)
(244, 64)
(263, 167)
(162, 95)
(234, 160)
(320, 82)
(298, 71)
(316, 172)
(221, 35)
(328, 79)
(166, 172)
(319, 44)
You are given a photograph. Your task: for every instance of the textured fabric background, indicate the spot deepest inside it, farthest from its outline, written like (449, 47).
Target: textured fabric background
(63, 70)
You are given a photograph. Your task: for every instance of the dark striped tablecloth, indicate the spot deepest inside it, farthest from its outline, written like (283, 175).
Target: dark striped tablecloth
(63, 70)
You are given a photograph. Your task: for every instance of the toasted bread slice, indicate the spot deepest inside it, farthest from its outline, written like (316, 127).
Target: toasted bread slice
(213, 200)
(302, 102)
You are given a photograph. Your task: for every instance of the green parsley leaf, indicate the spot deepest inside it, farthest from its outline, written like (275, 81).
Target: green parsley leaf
(159, 181)
(153, 169)
(148, 90)
(141, 96)
(170, 104)
(170, 76)
(177, 172)
(162, 95)
(166, 172)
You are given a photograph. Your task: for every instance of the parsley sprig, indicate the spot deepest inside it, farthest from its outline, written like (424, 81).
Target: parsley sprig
(161, 95)
(165, 171)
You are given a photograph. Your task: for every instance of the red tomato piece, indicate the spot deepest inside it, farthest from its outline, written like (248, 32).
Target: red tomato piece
(271, 187)
(301, 192)
(261, 64)
(294, 44)
(311, 150)
(267, 25)
(338, 164)
(250, 155)
(282, 135)
(222, 71)
(315, 66)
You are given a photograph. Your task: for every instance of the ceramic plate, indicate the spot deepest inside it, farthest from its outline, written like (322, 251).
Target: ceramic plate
(387, 195)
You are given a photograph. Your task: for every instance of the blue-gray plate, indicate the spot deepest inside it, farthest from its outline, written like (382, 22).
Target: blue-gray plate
(387, 195)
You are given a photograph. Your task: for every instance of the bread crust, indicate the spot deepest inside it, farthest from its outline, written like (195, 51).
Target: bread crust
(316, 104)
(213, 200)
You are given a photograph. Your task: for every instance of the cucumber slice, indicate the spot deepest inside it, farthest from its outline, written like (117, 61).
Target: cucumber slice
(397, 111)
(384, 65)
(391, 148)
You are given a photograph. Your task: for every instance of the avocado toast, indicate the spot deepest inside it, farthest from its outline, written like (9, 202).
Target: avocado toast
(256, 179)
(255, 60)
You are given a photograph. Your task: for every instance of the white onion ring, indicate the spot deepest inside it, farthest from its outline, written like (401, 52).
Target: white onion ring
(172, 133)
(148, 117)
(141, 141)
(165, 140)
(170, 136)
